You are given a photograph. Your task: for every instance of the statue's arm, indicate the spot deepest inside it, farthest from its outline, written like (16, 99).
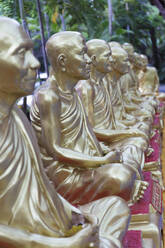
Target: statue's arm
(81, 239)
(131, 107)
(87, 99)
(50, 108)
(21, 238)
(137, 99)
(156, 82)
(116, 135)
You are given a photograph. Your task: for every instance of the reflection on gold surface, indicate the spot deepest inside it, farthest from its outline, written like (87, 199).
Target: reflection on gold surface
(32, 213)
(97, 102)
(72, 156)
(148, 77)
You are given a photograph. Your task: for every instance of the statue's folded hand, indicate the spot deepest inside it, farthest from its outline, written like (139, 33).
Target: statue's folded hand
(87, 237)
(113, 157)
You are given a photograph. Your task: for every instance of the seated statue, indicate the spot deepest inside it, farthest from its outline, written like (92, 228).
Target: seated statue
(122, 108)
(148, 77)
(73, 158)
(97, 101)
(32, 213)
(149, 103)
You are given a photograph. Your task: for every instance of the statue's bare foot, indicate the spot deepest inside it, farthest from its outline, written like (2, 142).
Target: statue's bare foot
(152, 134)
(150, 150)
(138, 191)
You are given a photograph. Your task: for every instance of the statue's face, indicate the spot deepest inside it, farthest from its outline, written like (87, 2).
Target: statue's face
(130, 50)
(104, 60)
(131, 58)
(144, 62)
(18, 66)
(137, 61)
(121, 63)
(78, 63)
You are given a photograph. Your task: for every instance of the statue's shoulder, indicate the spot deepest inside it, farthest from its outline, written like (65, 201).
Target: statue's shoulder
(151, 69)
(46, 93)
(83, 84)
(87, 85)
(84, 87)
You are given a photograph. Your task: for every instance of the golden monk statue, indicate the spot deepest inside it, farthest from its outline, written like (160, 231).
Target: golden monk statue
(148, 78)
(126, 114)
(120, 67)
(32, 213)
(97, 101)
(149, 103)
(72, 156)
(122, 93)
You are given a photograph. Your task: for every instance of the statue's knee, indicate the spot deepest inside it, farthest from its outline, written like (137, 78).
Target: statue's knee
(123, 205)
(124, 176)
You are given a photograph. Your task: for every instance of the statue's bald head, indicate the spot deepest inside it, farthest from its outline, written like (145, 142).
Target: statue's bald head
(120, 58)
(137, 62)
(137, 55)
(128, 47)
(62, 42)
(114, 44)
(18, 66)
(118, 51)
(144, 61)
(144, 58)
(6, 22)
(10, 31)
(96, 47)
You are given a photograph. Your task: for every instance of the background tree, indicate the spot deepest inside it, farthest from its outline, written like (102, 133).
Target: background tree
(135, 21)
(160, 4)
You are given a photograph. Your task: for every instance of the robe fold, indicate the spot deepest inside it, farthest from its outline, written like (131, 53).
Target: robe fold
(26, 195)
(79, 185)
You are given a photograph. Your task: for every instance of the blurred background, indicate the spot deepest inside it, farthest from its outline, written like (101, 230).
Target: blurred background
(140, 22)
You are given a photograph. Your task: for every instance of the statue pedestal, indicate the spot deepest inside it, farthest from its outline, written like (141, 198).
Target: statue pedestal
(163, 172)
(152, 162)
(133, 239)
(146, 214)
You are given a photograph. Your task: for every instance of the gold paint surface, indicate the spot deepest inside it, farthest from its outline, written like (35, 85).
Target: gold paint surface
(73, 158)
(148, 77)
(32, 213)
(163, 172)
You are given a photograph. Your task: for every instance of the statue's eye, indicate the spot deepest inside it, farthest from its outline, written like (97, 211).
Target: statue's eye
(22, 52)
(82, 53)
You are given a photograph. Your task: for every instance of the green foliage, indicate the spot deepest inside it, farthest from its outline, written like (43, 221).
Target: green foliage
(134, 21)
(135, 25)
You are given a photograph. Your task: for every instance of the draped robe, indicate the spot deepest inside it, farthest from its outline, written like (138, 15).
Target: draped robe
(27, 200)
(32, 213)
(103, 115)
(78, 185)
(129, 89)
(149, 81)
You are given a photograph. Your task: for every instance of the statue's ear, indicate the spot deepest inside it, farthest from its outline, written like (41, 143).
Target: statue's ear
(62, 61)
(93, 58)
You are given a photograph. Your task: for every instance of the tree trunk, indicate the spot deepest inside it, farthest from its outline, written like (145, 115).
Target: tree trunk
(127, 9)
(42, 36)
(110, 14)
(63, 22)
(22, 15)
(47, 24)
(24, 24)
(160, 4)
(154, 48)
